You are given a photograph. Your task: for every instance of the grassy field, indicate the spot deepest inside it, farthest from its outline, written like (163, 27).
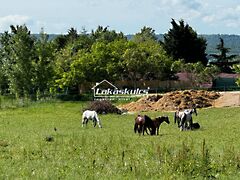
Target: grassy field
(46, 141)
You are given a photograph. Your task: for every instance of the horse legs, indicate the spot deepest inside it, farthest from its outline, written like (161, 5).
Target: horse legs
(84, 121)
(154, 129)
(175, 118)
(97, 120)
(178, 122)
(182, 122)
(139, 129)
(135, 127)
(99, 124)
(146, 130)
(191, 123)
(157, 129)
(143, 128)
(94, 123)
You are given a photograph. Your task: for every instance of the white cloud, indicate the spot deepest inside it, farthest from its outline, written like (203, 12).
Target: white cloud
(186, 4)
(208, 16)
(6, 21)
(229, 17)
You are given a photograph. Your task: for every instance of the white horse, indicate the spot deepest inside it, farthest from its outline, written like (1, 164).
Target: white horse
(184, 118)
(91, 115)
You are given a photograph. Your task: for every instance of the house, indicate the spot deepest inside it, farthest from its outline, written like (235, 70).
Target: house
(225, 81)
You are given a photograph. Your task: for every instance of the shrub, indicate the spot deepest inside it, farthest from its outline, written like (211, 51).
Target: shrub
(103, 107)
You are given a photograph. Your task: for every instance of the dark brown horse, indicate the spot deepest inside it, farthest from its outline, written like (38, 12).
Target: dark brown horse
(159, 120)
(142, 123)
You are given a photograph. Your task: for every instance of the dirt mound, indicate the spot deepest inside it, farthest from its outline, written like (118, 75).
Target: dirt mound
(173, 100)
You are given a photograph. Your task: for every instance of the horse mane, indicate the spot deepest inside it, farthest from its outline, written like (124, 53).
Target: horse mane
(147, 118)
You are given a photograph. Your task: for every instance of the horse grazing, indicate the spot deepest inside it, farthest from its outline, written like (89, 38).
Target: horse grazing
(142, 123)
(91, 115)
(159, 120)
(184, 118)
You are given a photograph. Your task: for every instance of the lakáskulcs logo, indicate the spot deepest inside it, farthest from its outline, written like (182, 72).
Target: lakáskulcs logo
(106, 90)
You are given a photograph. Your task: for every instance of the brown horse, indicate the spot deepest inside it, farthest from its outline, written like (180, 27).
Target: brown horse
(159, 120)
(142, 123)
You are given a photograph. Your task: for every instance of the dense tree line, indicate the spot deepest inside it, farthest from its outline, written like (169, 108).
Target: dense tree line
(34, 67)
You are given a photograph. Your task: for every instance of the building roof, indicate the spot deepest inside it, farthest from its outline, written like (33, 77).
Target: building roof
(227, 75)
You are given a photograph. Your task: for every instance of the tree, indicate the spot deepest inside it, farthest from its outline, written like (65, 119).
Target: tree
(104, 35)
(145, 61)
(182, 42)
(102, 61)
(62, 40)
(222, 60)
(236, 68)
(43, 65)
(4, 59)
(72, 35)
(146, 34)
(197, 72)
(135, 62)
(20, 53)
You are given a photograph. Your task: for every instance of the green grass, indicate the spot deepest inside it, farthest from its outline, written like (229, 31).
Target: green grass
(115, 152)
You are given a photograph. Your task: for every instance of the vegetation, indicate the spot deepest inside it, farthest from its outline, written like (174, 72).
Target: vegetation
(236, 67)
(36, 68)
(223, 61)
(46, 141)
(182, 42)
(26, 63)
(197, 72)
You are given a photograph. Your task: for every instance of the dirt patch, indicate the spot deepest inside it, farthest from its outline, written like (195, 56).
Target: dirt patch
(228, 99)
(182, 100)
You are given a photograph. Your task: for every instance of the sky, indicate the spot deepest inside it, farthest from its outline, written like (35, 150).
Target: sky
(127, 16)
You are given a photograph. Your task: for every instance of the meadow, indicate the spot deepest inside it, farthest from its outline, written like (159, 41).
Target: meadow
(46, 141)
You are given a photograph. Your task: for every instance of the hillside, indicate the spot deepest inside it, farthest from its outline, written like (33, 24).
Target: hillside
(231, 41)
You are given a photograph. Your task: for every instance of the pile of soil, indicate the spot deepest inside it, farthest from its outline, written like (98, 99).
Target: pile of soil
(173, 100)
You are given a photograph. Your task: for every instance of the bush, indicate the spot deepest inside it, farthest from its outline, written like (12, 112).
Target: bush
(103, 107)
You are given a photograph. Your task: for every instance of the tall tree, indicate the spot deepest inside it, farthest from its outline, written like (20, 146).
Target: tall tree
(145, 34)
(5, 51)
(223, 61)
(146, 60)
(18, 63)
(62, 40)
(43, 64)
(182, 42)
(105, 35)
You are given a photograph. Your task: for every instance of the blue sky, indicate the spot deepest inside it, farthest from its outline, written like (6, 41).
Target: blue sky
(127, 16)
